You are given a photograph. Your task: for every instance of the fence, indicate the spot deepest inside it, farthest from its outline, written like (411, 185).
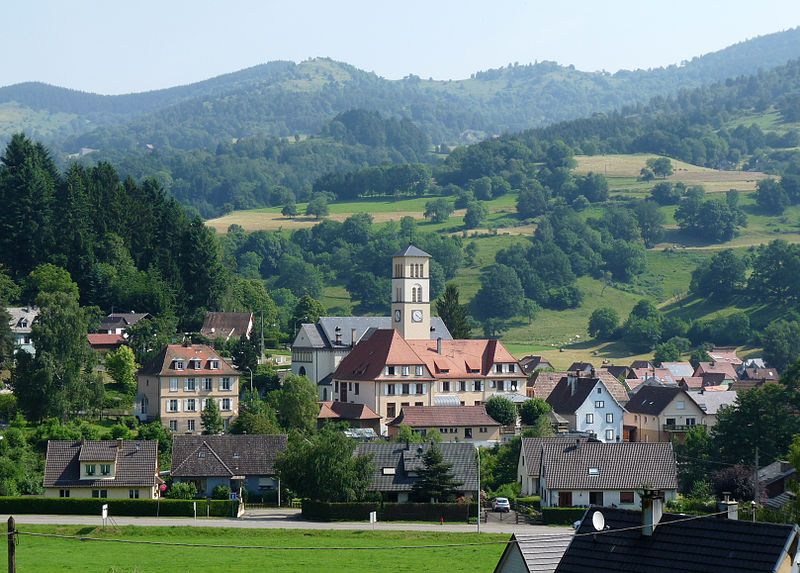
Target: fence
(324, 511)
(127, 507)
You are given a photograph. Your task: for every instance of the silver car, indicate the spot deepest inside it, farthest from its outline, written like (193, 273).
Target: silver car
(501, 504)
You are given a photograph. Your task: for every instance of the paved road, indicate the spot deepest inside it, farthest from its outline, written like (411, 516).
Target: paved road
(281, 519)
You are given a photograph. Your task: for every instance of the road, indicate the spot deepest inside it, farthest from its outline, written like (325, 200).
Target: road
(282, 519)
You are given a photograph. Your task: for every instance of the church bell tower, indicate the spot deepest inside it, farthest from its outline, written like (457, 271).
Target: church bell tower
(411, 302)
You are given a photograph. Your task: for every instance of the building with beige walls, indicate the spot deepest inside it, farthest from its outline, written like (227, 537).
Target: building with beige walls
(176, 384)
(660, 414)
(451, 423)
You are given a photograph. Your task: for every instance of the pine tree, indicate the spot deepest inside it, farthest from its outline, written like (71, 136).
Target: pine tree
(437, 483)
(210, 418)
(452, 313)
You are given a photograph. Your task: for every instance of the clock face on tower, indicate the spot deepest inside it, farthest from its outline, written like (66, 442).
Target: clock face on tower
(397, 316)
(416, 316)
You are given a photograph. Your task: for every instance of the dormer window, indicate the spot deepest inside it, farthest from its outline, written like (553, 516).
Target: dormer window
(418, 370)
(178, 364)
(498, 368)
(512, 367)
(105, 469)
(390, 370)
(405, 370)
(90, 469)
(195, 363)
(213, 364)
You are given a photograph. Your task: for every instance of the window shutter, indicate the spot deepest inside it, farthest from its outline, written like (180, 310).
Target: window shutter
(424, 388)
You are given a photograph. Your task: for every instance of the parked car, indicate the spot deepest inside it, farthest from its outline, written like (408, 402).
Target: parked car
(501, 504)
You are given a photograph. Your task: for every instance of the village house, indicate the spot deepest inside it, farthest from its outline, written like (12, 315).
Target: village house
(392, 368)
(103, 342)
(542, 384)
(591, 473)
(119, 322)
(356, 416)
(726, 372)
(115, 469)
(396, 467)
(176, 384)
(725, 354)
(588, 406)
(533, 554)
(530, 458)
(239, 462)
(21, 319)
(775, 482)
(532, 363)
(451, 423)
(651, 540)
(319, 348)
(227, 325)
(660, 414)
(711, 403)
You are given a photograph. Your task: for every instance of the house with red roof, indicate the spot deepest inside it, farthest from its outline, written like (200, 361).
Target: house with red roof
(452, 423)
(389, 369)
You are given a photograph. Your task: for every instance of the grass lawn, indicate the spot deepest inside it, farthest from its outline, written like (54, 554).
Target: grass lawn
(48, 554)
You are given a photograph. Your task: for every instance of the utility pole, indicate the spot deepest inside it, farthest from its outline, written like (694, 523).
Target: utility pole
(261, 355)
(755, 486)
(12, 546)
(479, 489)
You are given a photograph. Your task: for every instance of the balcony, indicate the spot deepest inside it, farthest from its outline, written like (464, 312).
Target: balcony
(680, 427)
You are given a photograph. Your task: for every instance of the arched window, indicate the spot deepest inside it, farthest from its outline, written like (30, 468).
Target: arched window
(302, 371)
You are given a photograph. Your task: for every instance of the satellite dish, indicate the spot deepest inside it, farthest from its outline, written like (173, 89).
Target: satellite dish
(598, 521)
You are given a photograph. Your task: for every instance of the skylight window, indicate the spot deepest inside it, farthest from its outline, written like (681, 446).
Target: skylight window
(389, 471)
(594, 471)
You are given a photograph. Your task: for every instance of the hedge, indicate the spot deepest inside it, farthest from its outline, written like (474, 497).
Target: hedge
(534, 501)
(562, 515)
(324, 511)
(131, 507)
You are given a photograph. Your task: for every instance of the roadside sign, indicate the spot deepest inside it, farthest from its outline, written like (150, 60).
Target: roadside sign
(104, 513)
(234, 496)
(373, 516)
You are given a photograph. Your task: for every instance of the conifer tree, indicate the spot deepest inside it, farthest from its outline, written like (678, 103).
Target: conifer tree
(437, 483)
(452, 313)
(210, 418)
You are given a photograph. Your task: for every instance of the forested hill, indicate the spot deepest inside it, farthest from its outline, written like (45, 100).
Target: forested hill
(283, 98)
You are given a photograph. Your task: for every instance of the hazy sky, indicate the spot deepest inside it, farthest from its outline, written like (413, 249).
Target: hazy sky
(117, 46)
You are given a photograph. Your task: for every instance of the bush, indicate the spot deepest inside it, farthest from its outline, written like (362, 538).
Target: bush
(221, 492)
(359, 511)
(509, 490)
(182, 491)
(562, 515)
(128, 507)
(533, 501)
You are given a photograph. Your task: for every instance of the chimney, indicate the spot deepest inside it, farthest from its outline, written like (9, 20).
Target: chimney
(652, 509)
(352, 337)
(119, 443)
(577, 443)
(338, 330)
(439, 345)
(728, 505)
(572, 381)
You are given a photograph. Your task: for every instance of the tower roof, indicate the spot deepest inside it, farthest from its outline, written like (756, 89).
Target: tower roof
(411, 251)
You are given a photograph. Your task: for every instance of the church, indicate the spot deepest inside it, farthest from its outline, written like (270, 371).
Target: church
(409, 364)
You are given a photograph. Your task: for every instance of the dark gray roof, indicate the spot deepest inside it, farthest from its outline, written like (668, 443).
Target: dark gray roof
(621, 465)
(228, 455)
(323, 334)
(651, 399)
(136, 463)
(532, 448)
(704, 545)
(540, 554)
(411, 251)
(402, 460)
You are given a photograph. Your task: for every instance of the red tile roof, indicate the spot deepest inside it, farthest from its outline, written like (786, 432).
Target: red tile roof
(726, 368)
(346, 411)
(430, 416)
(164, 363)
(460, 359)
(102, 340)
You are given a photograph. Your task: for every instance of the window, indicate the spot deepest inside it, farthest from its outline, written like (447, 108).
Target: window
(418, 370)
(90, 469)
(462, 386)
(389, 471)
(173, 425)
(133, 493)
(405, 404)
(178, 364)
(595, 498)
(670, 421)
(207, 385)
(191, 405)
(226, 404)
(610, 418)
(477, 403)
(512, 386)
(406, 370)
(512, 368)
(599, 390)
(405, 389)
(191, 384)
(63, 493)
(609, 435)
(213, 364)
(172, 406)
(446, 386)
(173, 384)
(398, 297)
(105, 469)
(390, 370)
(225, 384)
(483, 430)
(418, 404)
(590, 418)
(680, 405)
(358, 388)
(478, 385)
(498, 368)
(190, 425)
(626, 497)
(599, 404)
(501, 385)
(391, 410)
(467, 433)
(390, 389)
(99, 493)
(594, 471)
(420, 388)
(195, 363)
(691, 422)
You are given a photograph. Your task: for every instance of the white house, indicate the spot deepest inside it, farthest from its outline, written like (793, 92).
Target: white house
(21, 321)
(588, 406)
(530, 459)
(585, 474)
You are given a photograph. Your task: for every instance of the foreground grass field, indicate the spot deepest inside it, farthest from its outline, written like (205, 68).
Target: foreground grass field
(40, 554)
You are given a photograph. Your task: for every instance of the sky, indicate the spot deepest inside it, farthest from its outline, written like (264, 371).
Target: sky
(115, 46)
